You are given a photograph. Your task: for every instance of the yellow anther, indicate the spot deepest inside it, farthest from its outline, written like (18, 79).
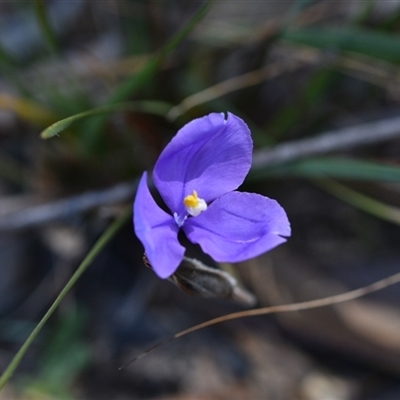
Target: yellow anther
(194, 204)
(192, 200)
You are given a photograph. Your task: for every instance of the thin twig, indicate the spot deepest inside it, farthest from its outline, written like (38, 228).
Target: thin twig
(305, 305)
(342, 139)
(368, 133)
(68, 207)
(233, 84)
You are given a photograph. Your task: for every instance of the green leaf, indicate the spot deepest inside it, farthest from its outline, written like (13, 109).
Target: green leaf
(65, 356)
(44, 24)
(303, 108)
(297, 7)
(151, 107)
(334, 167)
(139, 80)
(66, 353)
(374, 44)
(392, 21)
(6, 59)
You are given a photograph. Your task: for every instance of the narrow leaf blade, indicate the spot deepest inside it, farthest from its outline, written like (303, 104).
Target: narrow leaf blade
(151, 107)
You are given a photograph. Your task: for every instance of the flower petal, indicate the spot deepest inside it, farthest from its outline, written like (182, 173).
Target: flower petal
(238, 226)
(157, 231)
(211, 155)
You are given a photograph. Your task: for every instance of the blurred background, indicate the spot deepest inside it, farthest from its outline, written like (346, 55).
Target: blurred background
(318, 82)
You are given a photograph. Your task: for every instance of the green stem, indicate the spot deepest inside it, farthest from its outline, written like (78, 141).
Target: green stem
(93, 253)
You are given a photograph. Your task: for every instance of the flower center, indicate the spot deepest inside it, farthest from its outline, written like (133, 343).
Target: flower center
(194, 204)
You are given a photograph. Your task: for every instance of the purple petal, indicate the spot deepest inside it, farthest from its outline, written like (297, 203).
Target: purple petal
(211, 155)
(157, 231)
(238, 226)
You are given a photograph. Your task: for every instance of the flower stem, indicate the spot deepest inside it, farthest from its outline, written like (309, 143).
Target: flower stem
(93, 253)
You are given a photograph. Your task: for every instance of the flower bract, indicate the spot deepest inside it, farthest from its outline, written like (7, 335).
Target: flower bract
(197, 175)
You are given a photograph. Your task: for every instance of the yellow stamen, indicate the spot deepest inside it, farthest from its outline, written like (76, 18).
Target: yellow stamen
(192, 200)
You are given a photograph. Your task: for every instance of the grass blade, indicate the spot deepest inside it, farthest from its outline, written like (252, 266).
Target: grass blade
(94, 252)
(139, 80)
(44, 24)
(374, 44)
(142, 78)
(361, 201)
(152, 107)
(334, 167)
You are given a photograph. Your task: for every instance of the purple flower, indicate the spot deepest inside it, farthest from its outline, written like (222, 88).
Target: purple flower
(196, 175)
